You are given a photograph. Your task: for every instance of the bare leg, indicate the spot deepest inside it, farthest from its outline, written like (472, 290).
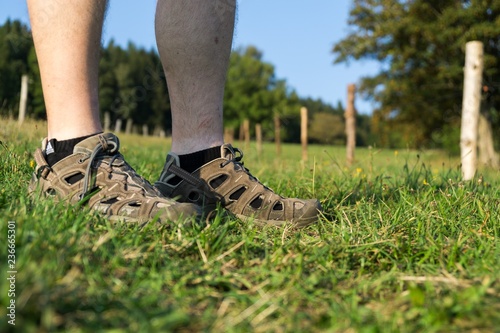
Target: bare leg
(67, 36)
(194, 40)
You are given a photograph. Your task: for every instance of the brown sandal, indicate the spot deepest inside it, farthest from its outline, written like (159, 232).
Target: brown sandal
(226, 181)
(97, 175)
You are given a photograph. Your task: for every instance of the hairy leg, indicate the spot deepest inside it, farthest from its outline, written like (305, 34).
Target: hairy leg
(194, 41)
(67, 37)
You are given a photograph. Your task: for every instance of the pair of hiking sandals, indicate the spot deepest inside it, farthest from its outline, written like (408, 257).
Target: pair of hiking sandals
(97, 175)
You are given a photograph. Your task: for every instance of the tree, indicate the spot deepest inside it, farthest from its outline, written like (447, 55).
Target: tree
(327, 128)
(132, 85)
(15, 47)
(252, 91)
(421, 46)
(36, 101)
(249, 81)
(326, 123)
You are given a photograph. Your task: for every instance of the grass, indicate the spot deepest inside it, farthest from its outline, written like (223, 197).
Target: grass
(404, 246)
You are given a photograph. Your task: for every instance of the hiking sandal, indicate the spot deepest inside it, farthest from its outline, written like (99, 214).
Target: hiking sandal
(96, 175)
(227, 182)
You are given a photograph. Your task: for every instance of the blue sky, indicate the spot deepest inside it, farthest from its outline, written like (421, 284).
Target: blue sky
(294, 35)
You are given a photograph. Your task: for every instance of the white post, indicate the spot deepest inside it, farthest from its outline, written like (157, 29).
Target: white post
(24, 98)
(470, 107)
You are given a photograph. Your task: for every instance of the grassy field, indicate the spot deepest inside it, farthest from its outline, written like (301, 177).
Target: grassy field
(404, 246)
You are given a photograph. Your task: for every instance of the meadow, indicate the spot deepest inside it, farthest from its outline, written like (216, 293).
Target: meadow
(403, 246)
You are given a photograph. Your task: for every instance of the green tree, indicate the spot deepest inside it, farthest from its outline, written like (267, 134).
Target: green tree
(364, 135)
(326, 122)
(421, 46)
(327, 128)
(252, 91)
(108, 85)
(15, 47)
(155, 84)
(132, 85)
(36, 102)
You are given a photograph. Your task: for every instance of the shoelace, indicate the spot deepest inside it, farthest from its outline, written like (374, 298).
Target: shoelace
(109, 147)
(237, 160)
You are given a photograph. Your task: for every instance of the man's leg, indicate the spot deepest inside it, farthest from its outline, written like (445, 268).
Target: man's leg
(67, 36)
(194, 40)
(77, 163)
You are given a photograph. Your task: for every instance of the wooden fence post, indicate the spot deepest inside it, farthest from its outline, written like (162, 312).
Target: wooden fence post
(128, 126)
(350, 124)
(303, 132)
(241, 133)
(258, 136)
(118, 126)
(24, 98)
(277, 134)
(107, 121)
(485, 145)
(470, 107)
(228, 135)
(246, 132)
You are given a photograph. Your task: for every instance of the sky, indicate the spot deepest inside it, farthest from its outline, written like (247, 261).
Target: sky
(294, 35)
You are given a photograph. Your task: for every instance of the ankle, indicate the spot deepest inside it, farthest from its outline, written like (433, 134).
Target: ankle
(191, 162)
(57, 150)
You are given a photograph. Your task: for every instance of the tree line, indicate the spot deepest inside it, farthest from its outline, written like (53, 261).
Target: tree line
(132, 86)
(417, 95)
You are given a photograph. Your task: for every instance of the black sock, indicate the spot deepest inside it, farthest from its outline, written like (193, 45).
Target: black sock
(193, 161)
(57, 150)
